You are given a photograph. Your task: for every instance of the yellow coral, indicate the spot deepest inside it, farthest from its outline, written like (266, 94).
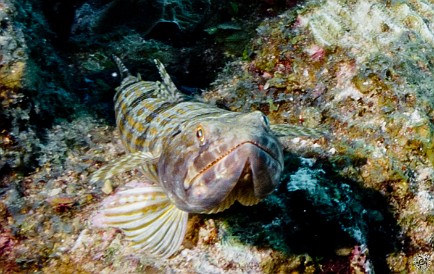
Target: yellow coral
(10, 80)
(11, 76)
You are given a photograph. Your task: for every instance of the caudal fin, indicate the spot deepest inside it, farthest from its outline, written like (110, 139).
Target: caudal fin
(148, 219)
(123, 71)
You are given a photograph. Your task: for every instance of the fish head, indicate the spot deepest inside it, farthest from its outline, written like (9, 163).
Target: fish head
(210, 161)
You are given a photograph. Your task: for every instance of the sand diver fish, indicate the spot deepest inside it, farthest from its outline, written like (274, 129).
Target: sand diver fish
(200, 158)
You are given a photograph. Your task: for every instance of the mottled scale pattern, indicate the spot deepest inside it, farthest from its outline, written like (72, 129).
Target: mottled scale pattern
(145, 116)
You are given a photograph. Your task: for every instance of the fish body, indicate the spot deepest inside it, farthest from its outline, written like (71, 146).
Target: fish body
(197, 144)
(200, 158)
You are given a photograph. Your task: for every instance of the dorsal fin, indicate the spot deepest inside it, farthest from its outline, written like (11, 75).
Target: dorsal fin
(167, 89)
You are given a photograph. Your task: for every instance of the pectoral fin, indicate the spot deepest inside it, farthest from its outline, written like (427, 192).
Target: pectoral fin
(143, 160)
(148, 219)
(286, 130)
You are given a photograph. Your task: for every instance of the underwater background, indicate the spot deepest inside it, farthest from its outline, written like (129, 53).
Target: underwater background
(359, 200)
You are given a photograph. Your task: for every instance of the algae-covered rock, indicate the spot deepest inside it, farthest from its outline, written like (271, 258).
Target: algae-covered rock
(364, 71)
(31, 97)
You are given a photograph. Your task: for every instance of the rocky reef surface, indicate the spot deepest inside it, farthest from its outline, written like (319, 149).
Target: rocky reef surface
(364, 71)
(360, 199)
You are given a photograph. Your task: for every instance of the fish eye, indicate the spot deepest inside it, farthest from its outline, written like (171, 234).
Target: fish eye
(266, 121)
(200, 134)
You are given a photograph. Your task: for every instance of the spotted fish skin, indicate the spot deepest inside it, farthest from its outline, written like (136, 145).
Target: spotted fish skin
(237, 158)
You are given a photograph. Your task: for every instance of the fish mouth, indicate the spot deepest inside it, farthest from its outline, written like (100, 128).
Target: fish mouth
(243, 192)
(247, 172)
(228, 152)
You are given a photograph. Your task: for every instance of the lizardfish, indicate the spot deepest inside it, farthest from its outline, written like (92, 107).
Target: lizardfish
(200, 158)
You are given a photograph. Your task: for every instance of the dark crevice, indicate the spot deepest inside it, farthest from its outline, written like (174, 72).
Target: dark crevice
(303, 222)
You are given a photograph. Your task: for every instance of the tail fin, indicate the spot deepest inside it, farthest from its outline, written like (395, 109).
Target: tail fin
(168, 90)
(167, 80)
(123, 71)
(286, 130)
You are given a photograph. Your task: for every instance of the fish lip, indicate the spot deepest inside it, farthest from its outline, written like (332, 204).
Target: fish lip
(228, 152)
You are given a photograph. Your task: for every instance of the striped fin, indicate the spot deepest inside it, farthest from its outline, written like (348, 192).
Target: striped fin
(223, 205)
(286, 130)
(243, 196)
(148, 219)
(140, 159)
(167, 89)
(247, 198)
(123, 71)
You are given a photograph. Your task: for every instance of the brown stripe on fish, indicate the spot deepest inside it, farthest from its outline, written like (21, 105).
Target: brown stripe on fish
(139, 138)
(125, 92)
(151, 137)
(169, 114)
(137, 101)
(153, 140)
(125, 141)
(126, 116)
(160, 110)
(125, 95)
(164, 120)
(148, 106)
(144, 86)
(195, 113)
(194, 109)
(123, 107)
(123, 88)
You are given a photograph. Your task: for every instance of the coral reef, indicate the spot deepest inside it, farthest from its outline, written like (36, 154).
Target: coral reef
(364, 71)
(32, 98)
(357, 200)
(12, 62)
